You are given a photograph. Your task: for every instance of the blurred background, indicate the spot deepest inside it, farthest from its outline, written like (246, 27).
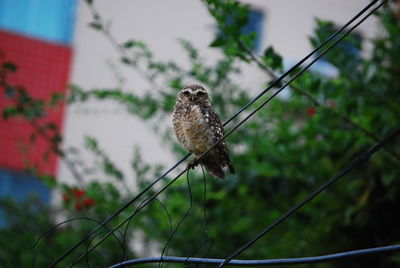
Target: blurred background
(89, 88)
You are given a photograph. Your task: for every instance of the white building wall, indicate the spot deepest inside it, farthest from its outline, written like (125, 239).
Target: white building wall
(287, 26)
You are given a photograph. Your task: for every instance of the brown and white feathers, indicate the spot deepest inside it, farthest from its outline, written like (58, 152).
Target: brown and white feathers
(197, 127)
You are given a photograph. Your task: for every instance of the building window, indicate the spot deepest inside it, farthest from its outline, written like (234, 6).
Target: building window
(255, 25)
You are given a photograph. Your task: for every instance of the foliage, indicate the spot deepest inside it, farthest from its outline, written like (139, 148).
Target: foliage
(287, 149)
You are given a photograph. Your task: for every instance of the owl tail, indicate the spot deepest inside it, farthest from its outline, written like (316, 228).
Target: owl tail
(213, 168)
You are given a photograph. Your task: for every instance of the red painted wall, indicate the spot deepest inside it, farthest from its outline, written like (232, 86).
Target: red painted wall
(43, 68)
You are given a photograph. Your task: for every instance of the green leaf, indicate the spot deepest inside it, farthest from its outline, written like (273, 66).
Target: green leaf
(56, 97)
(10, 66)
(96, 25)
(129, 44)
(272, 59)
(9, 112)
(218, 42)
(56, 139)
(51, 126)
(49, 181)
(91, 143)
(176, 83)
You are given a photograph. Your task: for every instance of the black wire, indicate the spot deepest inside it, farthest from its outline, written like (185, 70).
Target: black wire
(268, 262)
(168, 215)
(292, 69)
(169, 218)
(138, 209)
(125, 253)
(53, 228)
(273, 84)
(237, 126)
(96, 251)
(126, 205)
(341, 173)
(337, 176)
(204, 201)
(291, 80)
(100, 256)
(209, 240)
(165, 249)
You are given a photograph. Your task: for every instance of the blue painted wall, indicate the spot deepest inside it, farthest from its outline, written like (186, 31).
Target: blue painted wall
(19, 186)
(52, 20)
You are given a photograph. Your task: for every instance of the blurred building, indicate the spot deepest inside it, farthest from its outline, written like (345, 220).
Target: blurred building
(36, 36)
(42, 31)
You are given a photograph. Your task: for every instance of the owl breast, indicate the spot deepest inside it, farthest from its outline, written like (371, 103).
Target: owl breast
(193, 129)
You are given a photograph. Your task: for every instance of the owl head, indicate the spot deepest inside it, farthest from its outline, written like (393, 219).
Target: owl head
(193, 93)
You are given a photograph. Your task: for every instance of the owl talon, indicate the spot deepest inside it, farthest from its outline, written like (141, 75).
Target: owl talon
(193, 163)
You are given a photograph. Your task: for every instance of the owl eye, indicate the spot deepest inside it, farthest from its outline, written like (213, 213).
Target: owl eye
(186, 93)
(200, 93)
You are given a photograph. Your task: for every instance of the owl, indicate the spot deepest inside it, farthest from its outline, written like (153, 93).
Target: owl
(197, 127)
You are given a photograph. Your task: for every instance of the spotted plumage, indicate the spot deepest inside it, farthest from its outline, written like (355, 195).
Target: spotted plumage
(198, 127)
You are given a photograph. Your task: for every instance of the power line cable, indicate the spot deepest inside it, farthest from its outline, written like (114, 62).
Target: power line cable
(337, 176)
(274, 83)
(138, 209)
(166, 246)
(268, 262)
(125, 206)
(233, 129)
(341, 173)
(250, 115)
(53, 228)
(125, 255)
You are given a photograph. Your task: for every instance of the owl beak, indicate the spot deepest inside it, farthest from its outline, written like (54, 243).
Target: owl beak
(192, 97)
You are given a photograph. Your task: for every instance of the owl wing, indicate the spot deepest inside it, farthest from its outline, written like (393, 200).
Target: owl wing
(178, 125)
(219, 155)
